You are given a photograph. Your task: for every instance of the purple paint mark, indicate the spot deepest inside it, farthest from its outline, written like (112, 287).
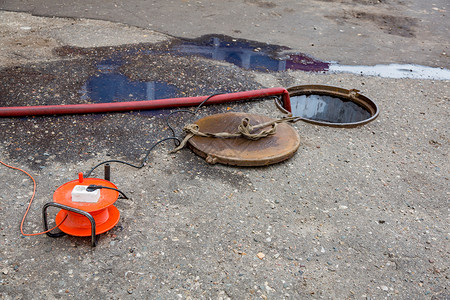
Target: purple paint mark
(306, 63)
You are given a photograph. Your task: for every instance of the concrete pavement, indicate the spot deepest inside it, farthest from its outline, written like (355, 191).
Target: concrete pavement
(356, 214)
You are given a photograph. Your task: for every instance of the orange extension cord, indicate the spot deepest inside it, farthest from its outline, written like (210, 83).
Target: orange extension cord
(29, 204)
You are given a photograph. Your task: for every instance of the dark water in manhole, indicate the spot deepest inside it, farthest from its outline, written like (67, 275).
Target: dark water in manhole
(328, 109)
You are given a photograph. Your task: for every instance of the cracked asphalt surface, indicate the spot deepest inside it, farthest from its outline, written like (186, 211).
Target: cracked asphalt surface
(358, 213)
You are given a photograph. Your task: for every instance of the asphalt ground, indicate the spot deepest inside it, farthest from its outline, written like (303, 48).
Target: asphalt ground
(355, 213)
(361, 32)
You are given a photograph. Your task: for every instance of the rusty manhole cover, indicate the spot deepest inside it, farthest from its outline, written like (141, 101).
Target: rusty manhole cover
(241, 151)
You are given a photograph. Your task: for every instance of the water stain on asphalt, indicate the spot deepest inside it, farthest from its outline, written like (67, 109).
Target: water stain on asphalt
(390, 24)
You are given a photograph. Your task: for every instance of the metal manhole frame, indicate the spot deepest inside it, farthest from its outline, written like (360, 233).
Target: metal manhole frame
(326, 90)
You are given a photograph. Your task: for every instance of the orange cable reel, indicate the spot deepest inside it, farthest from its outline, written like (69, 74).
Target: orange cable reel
(92, 195)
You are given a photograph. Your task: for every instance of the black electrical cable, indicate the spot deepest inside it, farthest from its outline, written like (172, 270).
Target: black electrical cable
(94, 187)
(130, 164)
(177, 143)
(173, 137)
(186, 111)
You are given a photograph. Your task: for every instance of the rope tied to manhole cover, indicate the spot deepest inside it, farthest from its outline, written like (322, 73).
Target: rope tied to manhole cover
(245, 130)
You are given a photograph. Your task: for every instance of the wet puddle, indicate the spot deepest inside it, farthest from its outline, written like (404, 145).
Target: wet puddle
(394, 71)
(111, 87)
(262, 57)
(249, 55)
(111, 84)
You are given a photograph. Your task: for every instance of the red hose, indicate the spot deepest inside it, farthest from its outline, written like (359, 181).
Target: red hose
(20, 111)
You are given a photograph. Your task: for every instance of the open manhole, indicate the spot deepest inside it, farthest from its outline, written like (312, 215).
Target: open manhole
(331, 106)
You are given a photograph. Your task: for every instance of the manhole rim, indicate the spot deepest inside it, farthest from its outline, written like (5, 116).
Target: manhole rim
(350, 95)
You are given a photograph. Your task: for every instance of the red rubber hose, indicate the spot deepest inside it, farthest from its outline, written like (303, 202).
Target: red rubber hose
(20, 111)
